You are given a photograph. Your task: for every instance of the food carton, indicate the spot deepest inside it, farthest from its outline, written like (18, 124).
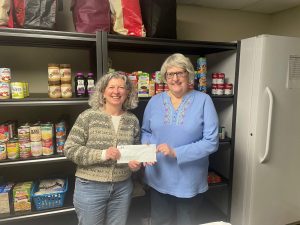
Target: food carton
(5, 198)
(22, 196)
(143, 84)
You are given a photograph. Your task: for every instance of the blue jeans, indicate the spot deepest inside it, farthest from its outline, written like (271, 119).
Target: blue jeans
(99, 203)
(170, 210)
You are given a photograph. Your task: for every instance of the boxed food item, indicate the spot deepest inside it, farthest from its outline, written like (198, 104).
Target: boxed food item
(22, 196)
(143, 84)
(5, 198)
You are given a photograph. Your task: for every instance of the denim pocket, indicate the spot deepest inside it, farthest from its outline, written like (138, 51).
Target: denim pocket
(82, 180)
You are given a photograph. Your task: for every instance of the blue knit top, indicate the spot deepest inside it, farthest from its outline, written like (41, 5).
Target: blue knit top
(192, 131)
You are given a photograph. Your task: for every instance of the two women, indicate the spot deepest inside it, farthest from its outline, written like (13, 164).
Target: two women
(183, 124)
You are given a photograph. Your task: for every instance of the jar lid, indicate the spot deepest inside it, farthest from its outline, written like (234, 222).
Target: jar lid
(51, 83)
(79, 74)
(53, 65)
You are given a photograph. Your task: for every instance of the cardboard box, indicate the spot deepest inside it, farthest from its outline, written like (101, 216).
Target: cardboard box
(5, 198)
(22, 196)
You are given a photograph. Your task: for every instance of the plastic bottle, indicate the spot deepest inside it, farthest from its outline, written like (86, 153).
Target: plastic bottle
(90, 84)
(80, 85)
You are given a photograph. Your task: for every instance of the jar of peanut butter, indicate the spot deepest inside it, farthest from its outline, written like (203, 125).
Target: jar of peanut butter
(66, 90)
(65, 73)
(53, 72)
(54, 90)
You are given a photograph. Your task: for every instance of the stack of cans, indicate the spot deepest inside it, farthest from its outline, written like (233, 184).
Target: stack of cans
(200, 75)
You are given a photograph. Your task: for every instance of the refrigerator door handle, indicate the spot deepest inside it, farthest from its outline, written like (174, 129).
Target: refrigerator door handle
(267, 149)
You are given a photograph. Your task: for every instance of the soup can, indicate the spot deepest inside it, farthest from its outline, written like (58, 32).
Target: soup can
(24, 133)
(5, 75)
(3, 154)
(25, 150)
(4, 90)
(36, 148)
(17, 90)
(13, 149)
(35, 133)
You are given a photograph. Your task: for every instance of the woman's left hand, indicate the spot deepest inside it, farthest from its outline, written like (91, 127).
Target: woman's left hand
(134, 165)
(166, 150)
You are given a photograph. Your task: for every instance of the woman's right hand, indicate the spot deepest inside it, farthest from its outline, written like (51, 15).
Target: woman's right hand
(113, 153)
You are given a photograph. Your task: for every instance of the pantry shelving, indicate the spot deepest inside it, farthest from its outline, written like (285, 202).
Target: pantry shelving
(147, 54)
(100, 47)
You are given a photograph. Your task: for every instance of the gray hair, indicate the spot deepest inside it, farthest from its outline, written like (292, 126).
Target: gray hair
(178, 60)
(97, 101)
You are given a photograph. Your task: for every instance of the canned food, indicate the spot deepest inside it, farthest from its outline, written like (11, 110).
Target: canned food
(5, 75)
(26, 89)
(214, 77)
(35, 133)
(3, 154)
(12, 128)
(36, 148)
(25, 150)
(228, 88)
(17, 90)
(214, 88)
(220, 89)
(4, 132)
(47, 138)
(4, 90)
(221, 78)
(61, 136)
(13, 149)
(24, 133)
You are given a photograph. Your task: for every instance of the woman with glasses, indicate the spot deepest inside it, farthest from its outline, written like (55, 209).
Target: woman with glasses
(183, 124)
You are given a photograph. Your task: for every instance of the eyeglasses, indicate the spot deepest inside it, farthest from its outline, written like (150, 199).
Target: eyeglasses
(179, 74)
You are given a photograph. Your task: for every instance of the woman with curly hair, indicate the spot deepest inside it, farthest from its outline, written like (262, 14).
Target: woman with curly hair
(103, 188)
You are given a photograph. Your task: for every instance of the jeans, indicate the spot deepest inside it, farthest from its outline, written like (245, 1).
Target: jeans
(170, 210)
(99, 203)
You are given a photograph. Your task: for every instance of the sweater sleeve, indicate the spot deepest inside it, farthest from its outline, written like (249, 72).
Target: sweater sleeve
(75, 147)
(210, 140)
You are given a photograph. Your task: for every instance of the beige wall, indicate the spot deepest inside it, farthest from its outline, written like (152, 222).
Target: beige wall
(207, 24)
(286, 23)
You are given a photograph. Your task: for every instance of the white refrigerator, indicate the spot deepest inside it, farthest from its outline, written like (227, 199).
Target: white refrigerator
(266, 174)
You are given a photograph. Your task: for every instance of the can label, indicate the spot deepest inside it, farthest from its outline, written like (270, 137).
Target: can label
(4, 90)
(47, 139)
(5, 75)
(4, 132)
(36, 148)
(3, 153)
(17, 90)
(24, 133)
(25, 150)
(35, 133)
(13, 149)
(220, 89)
(221, 78)
(228, 89)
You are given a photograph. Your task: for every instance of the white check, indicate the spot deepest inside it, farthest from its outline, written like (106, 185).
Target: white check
(140, 153)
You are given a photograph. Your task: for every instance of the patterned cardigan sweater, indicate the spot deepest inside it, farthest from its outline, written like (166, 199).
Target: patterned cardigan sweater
(94, 132)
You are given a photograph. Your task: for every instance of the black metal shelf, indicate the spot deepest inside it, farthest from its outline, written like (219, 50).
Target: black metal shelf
(38, 99)
(225, 141)
(46, 38)
(160, 45)
(33, 160)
